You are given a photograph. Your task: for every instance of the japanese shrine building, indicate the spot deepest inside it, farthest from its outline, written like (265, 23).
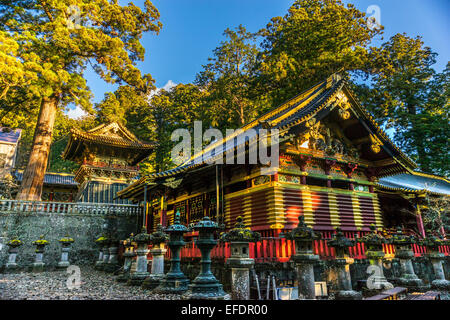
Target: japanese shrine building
(336, 167)
(108, 156)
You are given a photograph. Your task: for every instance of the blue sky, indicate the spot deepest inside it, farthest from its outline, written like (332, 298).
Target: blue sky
(193, 28)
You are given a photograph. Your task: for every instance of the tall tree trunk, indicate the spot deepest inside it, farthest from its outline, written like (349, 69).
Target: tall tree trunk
(33, 177)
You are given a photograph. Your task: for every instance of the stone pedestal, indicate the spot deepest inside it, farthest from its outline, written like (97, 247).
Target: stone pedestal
(304, 264)
(142, 239)
(404, 254)
(304, 258)
(99, 261)
(377, 280)
(205, 285)
(439, 283)
(11, 265)
(102, 242)
(128, 259)
(113, 261)
(342, 263)
(408, 277)
(128, 256)
(105, 257)
(38, 265)
(344, 281)
(239, 262)
(174, 281)
(240, 283)
(137, 277)
(64, 262)
(157, 271)
(240, 276)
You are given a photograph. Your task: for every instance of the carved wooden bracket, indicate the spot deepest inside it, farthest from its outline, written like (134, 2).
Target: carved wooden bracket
(327, 165)
(350, 168)
(301, 160)
(372, 173)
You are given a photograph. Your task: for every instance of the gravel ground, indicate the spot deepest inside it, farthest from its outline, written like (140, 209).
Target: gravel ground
(95, 285)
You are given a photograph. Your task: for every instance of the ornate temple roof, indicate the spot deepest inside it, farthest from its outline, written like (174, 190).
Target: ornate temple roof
(53, 178)
(10, 136)
(312, 105)
(416, 182)
(113, 135)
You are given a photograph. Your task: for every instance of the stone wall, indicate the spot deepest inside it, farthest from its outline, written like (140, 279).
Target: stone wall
(83, 228)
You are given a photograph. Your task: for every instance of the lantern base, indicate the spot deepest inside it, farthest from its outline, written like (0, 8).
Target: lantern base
(111, 267)
(441, 284)
(412, 283)
(11, 268)
(63, 264)
(175, 285)
(206, 291)
(137, 278)
(152, 281)
(38, 267)
(348, 295)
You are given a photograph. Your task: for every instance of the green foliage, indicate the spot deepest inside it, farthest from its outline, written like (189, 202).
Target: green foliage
(407, 95)
(45, 50)
(229, 80)
(436, 214)
(315, 39)
(41, 56)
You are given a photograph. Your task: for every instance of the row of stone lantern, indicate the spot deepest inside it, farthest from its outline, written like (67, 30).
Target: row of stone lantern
(304, 260)
(40, 244)
(205, 285)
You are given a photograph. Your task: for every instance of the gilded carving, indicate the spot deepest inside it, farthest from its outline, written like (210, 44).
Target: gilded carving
(376, 144)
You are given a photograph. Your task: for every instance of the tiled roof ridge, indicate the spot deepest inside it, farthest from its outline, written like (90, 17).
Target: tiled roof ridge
(108, 139)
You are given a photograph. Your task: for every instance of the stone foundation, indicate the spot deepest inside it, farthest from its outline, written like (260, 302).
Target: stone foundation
(84, 229)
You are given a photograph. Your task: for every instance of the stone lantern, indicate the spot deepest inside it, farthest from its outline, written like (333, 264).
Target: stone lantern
(38, 265)
(13, 245)
(103, 242)
(304, 258)
(112, 264)
(404, 253)
(142, 239)
(158, 240)
(373, 242)
(432, 243)
(66, 242)
(343, 262)
(128, 256)
(205, 285)
(240, 263)
(174, 281)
